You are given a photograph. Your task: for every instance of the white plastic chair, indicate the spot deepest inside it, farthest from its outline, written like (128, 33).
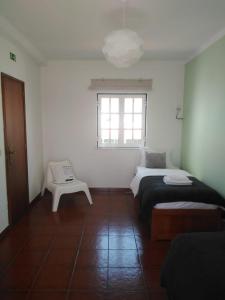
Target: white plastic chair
(63, 188)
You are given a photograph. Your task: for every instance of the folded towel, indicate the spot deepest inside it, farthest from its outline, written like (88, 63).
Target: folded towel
(177, 180)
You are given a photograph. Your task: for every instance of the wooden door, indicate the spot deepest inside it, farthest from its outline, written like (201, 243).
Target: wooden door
(13, 100)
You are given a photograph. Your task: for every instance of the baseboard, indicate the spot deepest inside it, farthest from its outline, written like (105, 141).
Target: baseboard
(4, 232)
(34, 201)
(30, 206)
(108, 190)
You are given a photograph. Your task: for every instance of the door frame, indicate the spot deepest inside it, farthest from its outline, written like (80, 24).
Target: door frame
(5, 76)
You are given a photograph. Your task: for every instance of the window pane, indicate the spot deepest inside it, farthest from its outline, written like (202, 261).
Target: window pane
(105, 105)
(105, 121)
(137, 121)
(128, 105)
(115, 121)
(137, 134)
(127, 136)
(114, 105)
(115, 136)
(128, 121)
(137, 105)
(104, 136)
(121, 120)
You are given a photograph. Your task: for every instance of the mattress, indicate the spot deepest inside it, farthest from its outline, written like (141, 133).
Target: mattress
(185, 205)
(142, 172)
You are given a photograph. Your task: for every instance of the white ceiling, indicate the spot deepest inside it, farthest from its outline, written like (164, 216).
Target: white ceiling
(64, 29)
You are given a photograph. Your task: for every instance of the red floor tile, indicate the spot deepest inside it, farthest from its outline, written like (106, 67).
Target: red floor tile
(141, 230)
(121, 230)
(61, 257)
(92, 258)
(123, 258)
(121, 242)
(17, 277)
(39, 243)
(70, 230)
(99, 252)
(97, 219)
(90, 278)
(6, 258)
(36, 230)
(95, 242)
(10, 295)
(66, 242)
(26, 257)
(10, 242)
(9, 248)
(127, 295)
(152, 277)
(42, 295)
(153, 255)
(68, 218)
(85, 295)
(115, 220)
(53, 277)
(126, 279)
(96, 229)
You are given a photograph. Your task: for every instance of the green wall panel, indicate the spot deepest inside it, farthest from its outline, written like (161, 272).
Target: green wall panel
(203, 142)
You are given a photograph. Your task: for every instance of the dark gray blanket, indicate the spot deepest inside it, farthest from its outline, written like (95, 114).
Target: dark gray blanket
(152, 190)
(194, 268)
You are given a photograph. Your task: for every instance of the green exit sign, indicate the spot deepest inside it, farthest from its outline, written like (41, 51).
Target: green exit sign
(12, 56)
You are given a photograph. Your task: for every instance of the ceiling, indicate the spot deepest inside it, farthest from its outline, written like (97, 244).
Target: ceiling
(75, 29)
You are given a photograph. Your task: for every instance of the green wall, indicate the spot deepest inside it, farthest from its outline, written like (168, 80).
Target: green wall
(203, 144)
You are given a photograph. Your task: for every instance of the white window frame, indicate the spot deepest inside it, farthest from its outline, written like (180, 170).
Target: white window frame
(121, 97)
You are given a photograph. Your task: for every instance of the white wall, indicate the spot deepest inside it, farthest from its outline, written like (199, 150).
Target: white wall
(70, 122)
(27, 70)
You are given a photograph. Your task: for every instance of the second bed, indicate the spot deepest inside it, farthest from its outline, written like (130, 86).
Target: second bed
(169, 218)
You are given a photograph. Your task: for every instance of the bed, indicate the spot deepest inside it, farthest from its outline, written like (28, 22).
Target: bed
(194, 267)
(170, 210)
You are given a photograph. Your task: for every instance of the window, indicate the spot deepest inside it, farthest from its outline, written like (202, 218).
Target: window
(121, 120)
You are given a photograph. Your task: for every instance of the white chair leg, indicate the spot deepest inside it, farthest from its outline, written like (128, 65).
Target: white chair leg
(55, 203)
(86, 190)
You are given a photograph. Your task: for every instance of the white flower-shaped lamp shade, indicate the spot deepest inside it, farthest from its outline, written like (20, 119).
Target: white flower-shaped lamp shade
(123, 48)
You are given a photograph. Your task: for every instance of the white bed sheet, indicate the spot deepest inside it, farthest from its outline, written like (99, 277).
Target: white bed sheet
(142, 172)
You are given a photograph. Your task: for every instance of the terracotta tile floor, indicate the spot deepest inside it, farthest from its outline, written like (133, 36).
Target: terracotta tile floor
(81, 252)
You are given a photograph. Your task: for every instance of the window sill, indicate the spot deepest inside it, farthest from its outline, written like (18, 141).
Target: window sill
(118, 148)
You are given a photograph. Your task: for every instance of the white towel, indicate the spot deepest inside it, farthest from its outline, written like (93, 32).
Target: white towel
(177, 180)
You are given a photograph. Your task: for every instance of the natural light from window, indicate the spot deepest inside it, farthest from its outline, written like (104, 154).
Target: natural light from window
(121, 120)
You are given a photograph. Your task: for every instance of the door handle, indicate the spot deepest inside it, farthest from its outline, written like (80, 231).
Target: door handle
(9, 153)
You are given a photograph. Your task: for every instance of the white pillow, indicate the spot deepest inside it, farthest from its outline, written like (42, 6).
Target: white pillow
(62, 172)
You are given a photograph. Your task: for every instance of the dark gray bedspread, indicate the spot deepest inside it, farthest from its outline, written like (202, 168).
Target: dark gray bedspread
(194, 268)
(152, 190)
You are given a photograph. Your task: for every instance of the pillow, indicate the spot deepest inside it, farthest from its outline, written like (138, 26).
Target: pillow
(62, 172)
(155, 160)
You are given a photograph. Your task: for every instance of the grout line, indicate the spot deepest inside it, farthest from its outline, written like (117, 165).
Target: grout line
(44, 259)
(6, 267)
(142, 270)
(110, 195)
(74, 264)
